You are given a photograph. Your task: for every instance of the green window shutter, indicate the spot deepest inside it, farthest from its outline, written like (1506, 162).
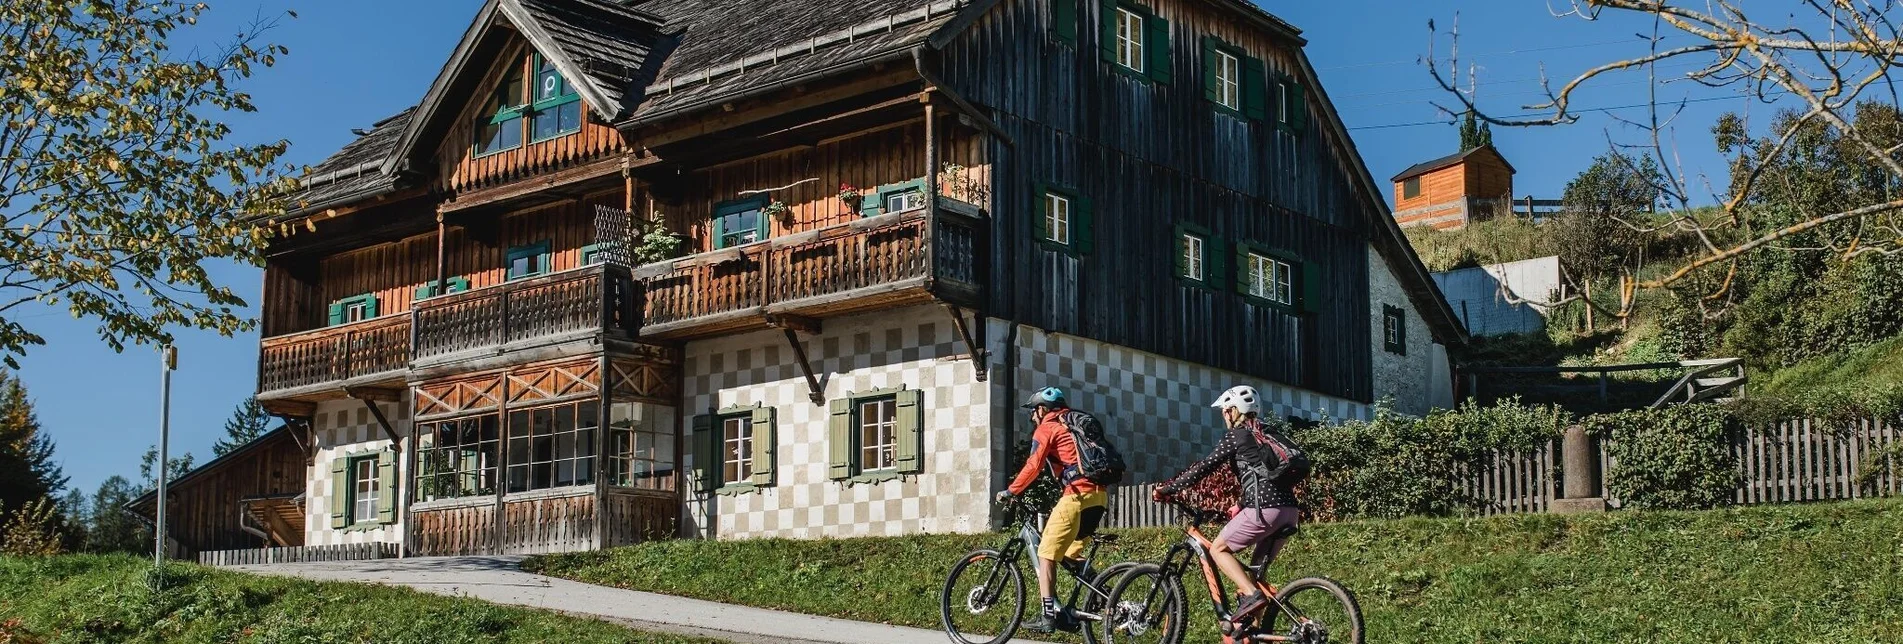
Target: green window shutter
(1157, 46)
(1064, 20)
(1083, 229)
(911, 416)
(1242, 268)
(706, 451)
(1041, 207)
(386, 487)
(457, 285)
(1297, 106)
(839, 441)
(1216, 258)
(1182, 263)
(765, 446)
(1312, 294)
(720, 232)
(1107, 30)
(336, 313)
(370, 309)
(1254, 76)
(339, 491)
(426, 291)
(1212, 88)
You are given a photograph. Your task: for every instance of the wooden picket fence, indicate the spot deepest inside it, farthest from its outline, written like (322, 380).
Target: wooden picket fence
(298, 554)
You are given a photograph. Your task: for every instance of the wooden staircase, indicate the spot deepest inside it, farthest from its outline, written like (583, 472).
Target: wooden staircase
(1712, 380)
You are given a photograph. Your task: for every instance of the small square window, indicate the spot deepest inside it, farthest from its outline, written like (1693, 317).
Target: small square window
(1057, 218)
(904, 200)
(876, 423)
(1228, 80)
(1130, 39)
(739, 223)
(528, 261)
(1411, 188)
(357, 311)
(1192, 250)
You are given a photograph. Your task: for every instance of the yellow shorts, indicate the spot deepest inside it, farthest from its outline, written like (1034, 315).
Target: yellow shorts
(1073, 520)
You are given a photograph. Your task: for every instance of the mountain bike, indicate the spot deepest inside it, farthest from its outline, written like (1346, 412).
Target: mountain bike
(1149, 604)
(983, 598)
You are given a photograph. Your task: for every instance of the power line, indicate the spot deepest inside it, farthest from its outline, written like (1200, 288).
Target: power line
(1569, 111)
(1489, 54)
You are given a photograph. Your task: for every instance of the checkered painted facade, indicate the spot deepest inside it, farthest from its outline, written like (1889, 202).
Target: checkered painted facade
(914, 348)
(345, 428)
(1156, 408)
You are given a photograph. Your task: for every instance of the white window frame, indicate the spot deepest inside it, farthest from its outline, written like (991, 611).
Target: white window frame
(880, 416)
(1131, 39)
(1391, 328)
(904, 200)
(365, 489)
(1271, 279)
(356, 311)
(1192, 247)
(1057, 218)
(736, 442)
(1281, 102)
(1229, 80)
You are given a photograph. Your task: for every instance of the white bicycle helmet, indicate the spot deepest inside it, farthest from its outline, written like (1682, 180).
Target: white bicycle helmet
(1241, 397)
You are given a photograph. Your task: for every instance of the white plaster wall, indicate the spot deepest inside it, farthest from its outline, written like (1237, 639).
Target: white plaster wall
(917, 348)
(1403, 378)
(344, 428)
(1495, 299)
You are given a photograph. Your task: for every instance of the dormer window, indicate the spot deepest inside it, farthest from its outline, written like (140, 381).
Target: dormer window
(547, 107)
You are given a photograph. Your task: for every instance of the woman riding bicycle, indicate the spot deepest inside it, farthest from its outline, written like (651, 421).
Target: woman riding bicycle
(1267, 467)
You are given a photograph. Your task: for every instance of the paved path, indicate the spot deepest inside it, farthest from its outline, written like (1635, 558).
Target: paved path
(501, 580)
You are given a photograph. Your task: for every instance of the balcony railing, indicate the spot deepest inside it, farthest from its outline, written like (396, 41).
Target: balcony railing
(359, 350)
(584, 301)
(885, 260)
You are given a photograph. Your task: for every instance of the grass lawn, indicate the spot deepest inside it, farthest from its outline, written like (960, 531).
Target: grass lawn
(1880, 364)
(89, 598)
(1803, 573)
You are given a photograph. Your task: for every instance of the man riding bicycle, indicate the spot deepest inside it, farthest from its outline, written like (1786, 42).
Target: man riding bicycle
(1078, 511)
(1263, 468)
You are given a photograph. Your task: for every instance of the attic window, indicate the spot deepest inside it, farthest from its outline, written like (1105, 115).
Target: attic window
(546, 107)
(556, 106)
(499, 127)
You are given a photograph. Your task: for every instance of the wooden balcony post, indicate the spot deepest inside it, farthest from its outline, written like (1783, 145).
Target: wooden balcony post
(442, 255)
(931, 188)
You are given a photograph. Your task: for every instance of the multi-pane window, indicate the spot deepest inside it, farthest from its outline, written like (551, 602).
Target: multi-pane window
(1192, 250)
(547, 107)
(1271, 279)
(904, 200)
(1228, 80)
(876, 425)
(556, 107)
(357, 311)
(364, 489)
(736, 448)
(500, 125)
(1393, 329)
(457, 458)
(353, 309)
(528, 261)
(1057, 218)
(641, 446)
(552, 446)
(739, 224)
(1130, 39)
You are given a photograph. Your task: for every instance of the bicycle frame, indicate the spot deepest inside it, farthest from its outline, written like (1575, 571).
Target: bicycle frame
(1196, 545)
(1027, 538)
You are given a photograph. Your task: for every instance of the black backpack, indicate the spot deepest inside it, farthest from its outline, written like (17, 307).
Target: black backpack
(1097, 459)
(1295, 465)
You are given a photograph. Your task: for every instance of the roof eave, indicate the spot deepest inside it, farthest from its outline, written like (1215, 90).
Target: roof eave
(196, 472)
(432, 100)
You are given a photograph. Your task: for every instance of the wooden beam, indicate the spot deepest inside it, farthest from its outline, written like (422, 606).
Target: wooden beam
(979, 356)
(768, 107)
(289, 409)
(816, 393)
(351, 208)
(370, 397)
(506, 192)
(379, 394)
(790, 322)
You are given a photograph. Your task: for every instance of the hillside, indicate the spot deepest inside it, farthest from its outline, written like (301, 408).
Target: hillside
(1809, 573)
(104, 599)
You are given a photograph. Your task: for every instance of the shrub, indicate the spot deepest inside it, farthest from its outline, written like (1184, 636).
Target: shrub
(1672, 458)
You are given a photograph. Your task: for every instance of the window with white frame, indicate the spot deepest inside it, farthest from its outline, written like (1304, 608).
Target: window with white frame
(1271, 279)
(876, 422)
(904, 200)
(1057, 218)
(365, 486)
(1192, 250)
(1130, 39)
(1281, 102)
(736, 443)
(1228, 80)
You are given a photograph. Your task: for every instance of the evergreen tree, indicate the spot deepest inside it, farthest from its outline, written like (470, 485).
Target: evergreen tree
(110, 527)
(27, 470)
(1473, 133)
(149, 475)
(247, 423)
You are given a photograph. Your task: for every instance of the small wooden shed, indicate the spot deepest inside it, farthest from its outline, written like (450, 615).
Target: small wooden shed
(1451, 191)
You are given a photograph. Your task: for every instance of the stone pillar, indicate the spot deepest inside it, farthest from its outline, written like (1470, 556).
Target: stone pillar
(1579, 458)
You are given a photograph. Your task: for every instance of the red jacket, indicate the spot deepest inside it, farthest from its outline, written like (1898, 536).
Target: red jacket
(1052, 446)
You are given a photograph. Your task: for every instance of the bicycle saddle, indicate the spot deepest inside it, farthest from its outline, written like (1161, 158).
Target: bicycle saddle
(1105, 539)
(1286, 532)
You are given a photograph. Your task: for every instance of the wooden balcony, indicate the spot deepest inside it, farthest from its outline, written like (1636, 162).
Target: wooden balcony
(885, 261)
(319, 364)
(531, 319)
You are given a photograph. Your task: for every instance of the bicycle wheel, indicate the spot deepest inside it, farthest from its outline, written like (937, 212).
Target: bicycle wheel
(1324, 612)
(983, 600)
(1146, 607)
(1094, 603)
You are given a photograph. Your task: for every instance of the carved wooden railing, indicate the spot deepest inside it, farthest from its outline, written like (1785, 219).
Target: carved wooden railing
(883, 250)
(589, 299)
(335, 354)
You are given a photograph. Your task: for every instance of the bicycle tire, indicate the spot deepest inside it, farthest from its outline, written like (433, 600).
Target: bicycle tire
(1094, 603)
(1172, 616)
(952, 599)
(1342, 597)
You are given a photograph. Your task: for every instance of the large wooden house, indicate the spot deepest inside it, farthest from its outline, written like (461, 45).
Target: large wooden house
(897, 216)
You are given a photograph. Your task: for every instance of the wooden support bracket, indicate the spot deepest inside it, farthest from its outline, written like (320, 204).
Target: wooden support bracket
(798, 323)
(370, 397)
(299, 428)
(817, 393)
(979, 356)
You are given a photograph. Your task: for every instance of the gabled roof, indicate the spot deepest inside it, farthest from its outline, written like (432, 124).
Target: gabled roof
(282, 432)
(354, 172)
(1450, 160)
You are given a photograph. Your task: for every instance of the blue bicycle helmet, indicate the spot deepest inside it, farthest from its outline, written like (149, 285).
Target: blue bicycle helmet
(1048, 396)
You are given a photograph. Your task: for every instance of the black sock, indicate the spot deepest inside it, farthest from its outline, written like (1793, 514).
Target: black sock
(1050, 606)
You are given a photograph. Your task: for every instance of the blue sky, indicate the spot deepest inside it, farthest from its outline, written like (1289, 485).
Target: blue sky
(353, 62)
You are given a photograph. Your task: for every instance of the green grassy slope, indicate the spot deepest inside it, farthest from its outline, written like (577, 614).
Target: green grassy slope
(1813, 573)
(1880, 364)
(104, 599)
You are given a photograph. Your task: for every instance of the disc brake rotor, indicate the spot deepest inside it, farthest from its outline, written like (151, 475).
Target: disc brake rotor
(975, 601)
(1129, 620)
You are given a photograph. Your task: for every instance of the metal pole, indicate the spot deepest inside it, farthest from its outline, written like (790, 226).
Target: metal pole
(170, 361)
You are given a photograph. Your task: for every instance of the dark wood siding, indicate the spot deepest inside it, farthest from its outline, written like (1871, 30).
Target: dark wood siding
(1151, 156)
(203, 510)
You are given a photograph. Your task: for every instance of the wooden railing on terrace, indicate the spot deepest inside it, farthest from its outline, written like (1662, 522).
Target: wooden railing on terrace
(336, 354)
(873, 261)
(585, 300)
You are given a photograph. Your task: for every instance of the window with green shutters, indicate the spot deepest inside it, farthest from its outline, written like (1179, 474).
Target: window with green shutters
(1063, 220)
(528, 261)
(1277, 279)
(735, 449)
(363, 490)
(1232, 80)
(1064, 21)
(1135, 40)
(451, 285)
(1290, 104)
(876, 435)
(555, 106)
(1200, 260)
(353, 309)
(740, 222)
(894, 197)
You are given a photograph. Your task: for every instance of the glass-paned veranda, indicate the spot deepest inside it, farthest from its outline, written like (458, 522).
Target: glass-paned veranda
(546, 447)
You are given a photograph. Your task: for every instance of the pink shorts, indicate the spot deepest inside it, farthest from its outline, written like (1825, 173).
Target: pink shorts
(1253, 526)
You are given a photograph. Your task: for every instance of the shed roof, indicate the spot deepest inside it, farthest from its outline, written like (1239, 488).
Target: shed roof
(1449, 161)
(282, 432)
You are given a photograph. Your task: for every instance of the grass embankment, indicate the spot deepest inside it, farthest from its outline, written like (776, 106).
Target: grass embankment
(1812, 573)
(1880, 364)
(89, 598)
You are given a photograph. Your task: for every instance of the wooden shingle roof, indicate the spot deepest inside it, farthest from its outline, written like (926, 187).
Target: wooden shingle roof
(354, 172)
